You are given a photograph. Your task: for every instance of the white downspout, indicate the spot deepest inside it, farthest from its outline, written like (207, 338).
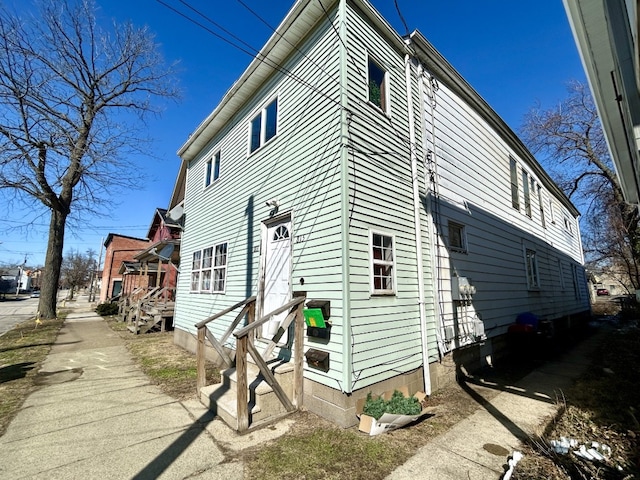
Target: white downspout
(417, 226)
(347, 375)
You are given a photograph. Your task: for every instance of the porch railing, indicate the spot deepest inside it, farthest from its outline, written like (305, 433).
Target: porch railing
(245, 346)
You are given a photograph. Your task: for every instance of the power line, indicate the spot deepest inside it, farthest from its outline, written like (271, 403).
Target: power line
(258, 56)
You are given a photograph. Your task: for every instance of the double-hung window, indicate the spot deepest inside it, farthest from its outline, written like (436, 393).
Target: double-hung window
(213, 170)
(513, 169)
(382, 264)
(531, 262)
(527, 193)
(220, 267)
(209, 269)
(264, 126)
(543, 220)
(378, 91)
(196, 265)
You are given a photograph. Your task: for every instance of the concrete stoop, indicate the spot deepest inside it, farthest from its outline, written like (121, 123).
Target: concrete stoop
(264, 405)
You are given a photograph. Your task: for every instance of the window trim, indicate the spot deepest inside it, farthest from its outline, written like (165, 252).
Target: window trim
(532, 270)
(373, 262)
(513, 177)
(463, 248)
(526, 192)
(384, 86)
(198, 273)
(212, 169)
(543, 219)
(261, 115)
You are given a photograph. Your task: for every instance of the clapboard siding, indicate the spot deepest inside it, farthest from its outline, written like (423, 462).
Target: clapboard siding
(376, 337)
(385, 330)
(300, 166)
(474, 187)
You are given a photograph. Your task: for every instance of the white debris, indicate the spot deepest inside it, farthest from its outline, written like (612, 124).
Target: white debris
(594, 451)
(563, 445)
(513, 461)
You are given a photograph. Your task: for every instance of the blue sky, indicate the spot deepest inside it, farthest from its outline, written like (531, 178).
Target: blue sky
(513, 53)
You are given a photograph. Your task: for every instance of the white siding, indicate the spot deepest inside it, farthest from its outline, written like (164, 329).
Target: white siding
(473, 189)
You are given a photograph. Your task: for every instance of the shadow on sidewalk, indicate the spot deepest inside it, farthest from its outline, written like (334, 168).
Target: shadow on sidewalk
(169, 455)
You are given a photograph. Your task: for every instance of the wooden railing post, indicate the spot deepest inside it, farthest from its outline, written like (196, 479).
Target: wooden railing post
(298, 346)
(242, 383)
(201, 373)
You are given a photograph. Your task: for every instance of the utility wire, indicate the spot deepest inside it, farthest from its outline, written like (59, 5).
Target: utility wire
(274, 30)
(258, 56)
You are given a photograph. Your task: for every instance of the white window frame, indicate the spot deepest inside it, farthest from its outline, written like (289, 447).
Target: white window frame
(576, 284)
(384, 85)
(212, 169)
(526, 192)
(375, 263)
(568, 225)
(543, 219)
(532, 271)
(513, 182)
(451, 225)
(563, 286)
(262, 116)
(209, 267)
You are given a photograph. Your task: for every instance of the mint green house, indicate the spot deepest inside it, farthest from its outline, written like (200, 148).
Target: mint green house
(355, 166)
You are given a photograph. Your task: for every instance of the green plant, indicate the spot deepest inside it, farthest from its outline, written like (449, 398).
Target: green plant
(398, 404)
(106, 309)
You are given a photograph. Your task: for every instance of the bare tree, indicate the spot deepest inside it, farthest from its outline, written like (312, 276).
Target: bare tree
(72, 97)
(76, 269)
(569, 136)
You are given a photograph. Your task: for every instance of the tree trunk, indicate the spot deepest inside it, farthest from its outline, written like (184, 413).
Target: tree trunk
(52, 266)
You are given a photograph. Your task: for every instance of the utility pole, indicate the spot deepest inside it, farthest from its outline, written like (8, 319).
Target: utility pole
(92, 290)
(20, 271)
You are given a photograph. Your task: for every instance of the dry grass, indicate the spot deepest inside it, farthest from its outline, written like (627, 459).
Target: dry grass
(166, 364)
(22, 351)
(602, 406)
(317, 449)
(313, 448)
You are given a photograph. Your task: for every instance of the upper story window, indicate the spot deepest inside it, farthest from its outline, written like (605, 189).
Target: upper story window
(457, 240)
(382, 264)
(568, 225)
(515, 196)
(527, 193)
(264, 126)
(378, 85)
(541, 205)
(213, 170)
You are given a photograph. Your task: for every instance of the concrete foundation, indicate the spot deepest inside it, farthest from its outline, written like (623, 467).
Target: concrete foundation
(340, 408)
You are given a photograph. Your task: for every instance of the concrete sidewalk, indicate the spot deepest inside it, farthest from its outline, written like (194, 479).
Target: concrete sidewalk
(97, 416)
(478, 447)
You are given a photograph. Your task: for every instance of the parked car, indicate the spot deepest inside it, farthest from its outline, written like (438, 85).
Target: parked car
(602, 291)
(35, 294)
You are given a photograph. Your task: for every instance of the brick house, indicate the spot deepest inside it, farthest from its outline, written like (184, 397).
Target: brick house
(118, 250)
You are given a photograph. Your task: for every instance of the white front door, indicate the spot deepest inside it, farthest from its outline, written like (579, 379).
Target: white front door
(277, 274)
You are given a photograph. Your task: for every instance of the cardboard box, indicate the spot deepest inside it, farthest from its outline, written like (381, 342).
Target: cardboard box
(388, 421)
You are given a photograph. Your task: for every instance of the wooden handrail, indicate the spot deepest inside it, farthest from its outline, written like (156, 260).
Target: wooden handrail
(244, 347)
(224, 312)
(252, 326)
